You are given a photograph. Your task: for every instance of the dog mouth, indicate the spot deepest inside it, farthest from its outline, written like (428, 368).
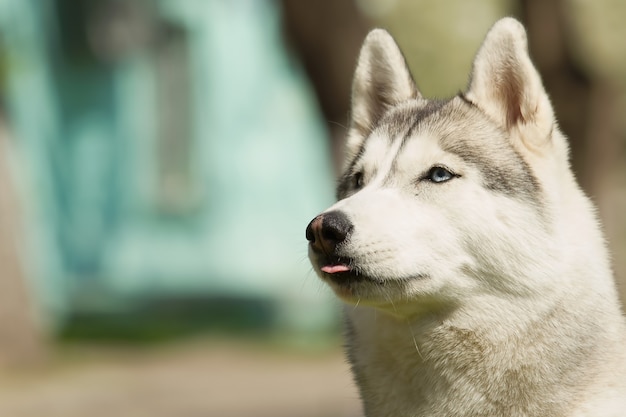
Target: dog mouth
(341, 271)
(352, 283)
(335, 269)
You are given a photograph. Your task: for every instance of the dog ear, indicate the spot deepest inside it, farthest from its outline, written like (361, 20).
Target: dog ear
(381, 80)
(506, 85)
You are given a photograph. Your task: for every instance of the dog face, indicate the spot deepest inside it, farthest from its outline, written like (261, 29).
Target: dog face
(441, 199)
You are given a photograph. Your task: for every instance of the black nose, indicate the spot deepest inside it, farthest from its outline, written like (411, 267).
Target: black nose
(328, 230)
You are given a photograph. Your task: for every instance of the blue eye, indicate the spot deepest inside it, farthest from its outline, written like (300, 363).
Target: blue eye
(439, 174)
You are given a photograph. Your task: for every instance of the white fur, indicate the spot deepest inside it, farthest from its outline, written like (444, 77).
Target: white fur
(484, 304)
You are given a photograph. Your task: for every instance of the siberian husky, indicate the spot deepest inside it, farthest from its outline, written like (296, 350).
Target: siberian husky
(477, 275)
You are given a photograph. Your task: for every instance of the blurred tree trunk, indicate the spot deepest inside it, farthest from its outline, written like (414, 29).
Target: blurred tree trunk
(586, 105)
(327, 36)
(570, 88)
(21, 342)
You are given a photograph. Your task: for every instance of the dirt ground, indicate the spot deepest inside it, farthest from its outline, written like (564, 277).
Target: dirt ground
(201, 379)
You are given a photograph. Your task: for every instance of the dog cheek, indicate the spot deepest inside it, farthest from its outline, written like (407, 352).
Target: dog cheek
(506, 243)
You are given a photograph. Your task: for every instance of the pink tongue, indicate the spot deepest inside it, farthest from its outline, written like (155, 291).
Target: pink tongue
(333, 269)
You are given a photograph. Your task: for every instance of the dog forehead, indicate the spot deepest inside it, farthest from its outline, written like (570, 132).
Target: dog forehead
(422, 125)
(417, 133)
(435, 128)
(403, 119)
(449, 121)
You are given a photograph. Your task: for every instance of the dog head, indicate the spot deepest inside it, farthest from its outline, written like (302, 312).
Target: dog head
(440, 199)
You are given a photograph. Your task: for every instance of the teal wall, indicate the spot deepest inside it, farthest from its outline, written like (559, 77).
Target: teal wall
(189, 164)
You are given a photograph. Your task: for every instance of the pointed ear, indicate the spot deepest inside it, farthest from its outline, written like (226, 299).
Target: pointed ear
(506, 85)
(381, 80)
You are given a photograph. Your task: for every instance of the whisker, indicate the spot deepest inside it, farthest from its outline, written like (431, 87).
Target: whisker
(417, 349)
(390, 299)
(332, 122)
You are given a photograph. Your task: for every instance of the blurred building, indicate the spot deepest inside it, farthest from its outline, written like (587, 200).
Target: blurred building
(165, 150)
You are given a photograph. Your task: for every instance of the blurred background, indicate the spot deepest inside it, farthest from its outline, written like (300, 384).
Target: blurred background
(160, 159)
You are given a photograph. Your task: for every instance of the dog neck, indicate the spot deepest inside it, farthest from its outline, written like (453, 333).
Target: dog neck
(447, 364)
